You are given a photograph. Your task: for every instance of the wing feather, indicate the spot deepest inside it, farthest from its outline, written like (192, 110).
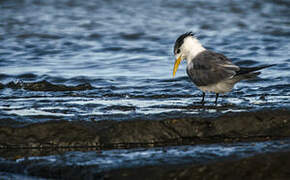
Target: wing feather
(209, 68)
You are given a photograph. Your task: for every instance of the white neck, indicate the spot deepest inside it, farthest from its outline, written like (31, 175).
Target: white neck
(191, 48)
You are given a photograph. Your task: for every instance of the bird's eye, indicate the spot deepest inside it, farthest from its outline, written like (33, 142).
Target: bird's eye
(178, 51)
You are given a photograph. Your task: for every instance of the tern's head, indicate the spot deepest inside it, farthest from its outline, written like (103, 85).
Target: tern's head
(186, 47)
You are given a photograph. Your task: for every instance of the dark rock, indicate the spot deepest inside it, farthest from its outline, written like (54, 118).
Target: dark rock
(47, 86)
(49, 134)
(1, 86)
(11, 122)
(14, 85)
(231, 127)
(120, 108)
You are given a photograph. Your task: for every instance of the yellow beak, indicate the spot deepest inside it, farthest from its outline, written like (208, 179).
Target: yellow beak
(176, 64)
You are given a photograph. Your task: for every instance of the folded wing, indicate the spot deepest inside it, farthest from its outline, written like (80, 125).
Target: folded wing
(210, 68)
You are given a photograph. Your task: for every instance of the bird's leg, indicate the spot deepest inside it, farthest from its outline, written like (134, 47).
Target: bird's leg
(216, 98)
(202, 101)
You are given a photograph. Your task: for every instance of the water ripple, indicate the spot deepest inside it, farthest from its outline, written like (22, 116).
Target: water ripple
(123, 50)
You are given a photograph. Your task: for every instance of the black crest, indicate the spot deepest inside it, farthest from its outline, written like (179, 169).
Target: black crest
(180, 39)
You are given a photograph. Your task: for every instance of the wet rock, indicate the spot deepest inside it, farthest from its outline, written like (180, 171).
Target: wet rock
(47, 86)
(266, 166)
(11, 122)
(231, 127)
(250, 124)
(49, 134)
(1, 86)
(14, 85)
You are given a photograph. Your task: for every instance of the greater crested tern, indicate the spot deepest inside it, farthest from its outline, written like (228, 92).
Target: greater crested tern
(208, 70)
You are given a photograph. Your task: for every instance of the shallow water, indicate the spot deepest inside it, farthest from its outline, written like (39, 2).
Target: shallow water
(102, 161)
(112, 159)
(124, 50)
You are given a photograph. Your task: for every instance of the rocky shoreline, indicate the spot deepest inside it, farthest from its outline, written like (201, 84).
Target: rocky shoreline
(230, 127)
(19, 140)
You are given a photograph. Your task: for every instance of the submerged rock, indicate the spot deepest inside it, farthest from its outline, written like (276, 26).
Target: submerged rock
(267, 166)
(47, 86)
(264, 166)
(1, 86)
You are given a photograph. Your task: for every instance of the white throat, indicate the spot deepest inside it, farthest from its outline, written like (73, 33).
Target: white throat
(191, 47)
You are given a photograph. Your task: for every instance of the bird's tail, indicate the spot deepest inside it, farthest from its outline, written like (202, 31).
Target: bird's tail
(246, 70)
(249, 72)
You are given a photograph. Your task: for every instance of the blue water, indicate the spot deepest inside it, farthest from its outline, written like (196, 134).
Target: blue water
(124, 49)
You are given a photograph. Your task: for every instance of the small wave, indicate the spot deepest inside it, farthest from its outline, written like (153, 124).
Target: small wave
(94, 36)
(182, 78)
(38, 35)
(132, 36)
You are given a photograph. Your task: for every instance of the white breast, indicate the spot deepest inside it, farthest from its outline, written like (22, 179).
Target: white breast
(220, 87)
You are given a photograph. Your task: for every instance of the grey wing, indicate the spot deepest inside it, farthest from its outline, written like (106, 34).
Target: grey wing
(209, 68)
